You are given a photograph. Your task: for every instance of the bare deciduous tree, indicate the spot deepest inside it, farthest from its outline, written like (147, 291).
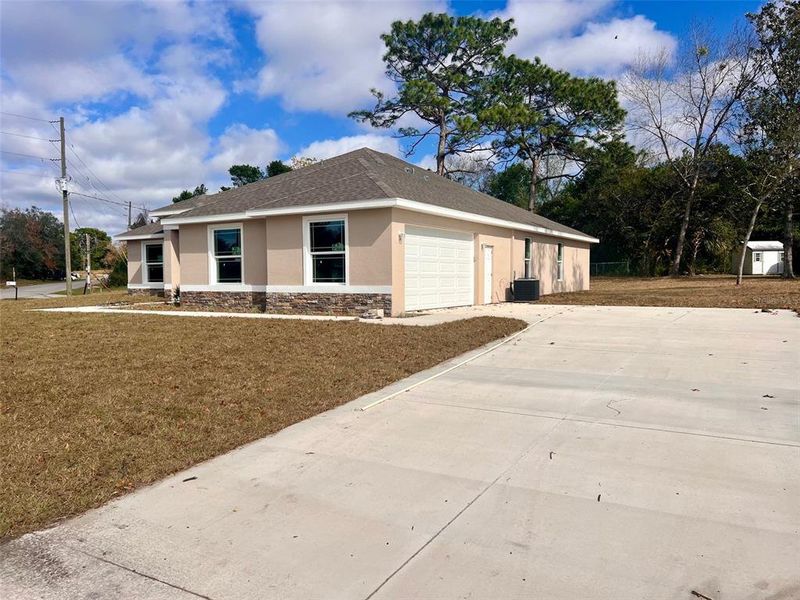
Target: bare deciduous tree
(684, 109)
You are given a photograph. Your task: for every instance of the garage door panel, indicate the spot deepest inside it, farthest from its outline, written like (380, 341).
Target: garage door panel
(439, 267)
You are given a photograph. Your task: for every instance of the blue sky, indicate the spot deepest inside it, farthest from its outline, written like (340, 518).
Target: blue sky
(161, 96)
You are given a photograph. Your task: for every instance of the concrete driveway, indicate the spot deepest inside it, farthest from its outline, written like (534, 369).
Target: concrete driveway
(604, 453)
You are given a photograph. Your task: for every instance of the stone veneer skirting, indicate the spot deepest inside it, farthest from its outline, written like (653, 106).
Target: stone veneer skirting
(146, 292)
(286, 303)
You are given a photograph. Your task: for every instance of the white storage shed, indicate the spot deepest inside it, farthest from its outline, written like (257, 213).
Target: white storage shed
(763, 258)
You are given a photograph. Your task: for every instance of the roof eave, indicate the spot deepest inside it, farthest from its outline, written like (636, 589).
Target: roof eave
(122, 237)
(411, 205)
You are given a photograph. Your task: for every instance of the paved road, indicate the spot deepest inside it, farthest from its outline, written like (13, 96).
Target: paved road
(605, 453)
(41, 290)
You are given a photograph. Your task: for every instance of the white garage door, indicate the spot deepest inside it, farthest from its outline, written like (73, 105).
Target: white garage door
(439, 268)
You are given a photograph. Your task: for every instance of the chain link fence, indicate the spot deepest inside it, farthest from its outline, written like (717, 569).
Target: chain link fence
(616, 269)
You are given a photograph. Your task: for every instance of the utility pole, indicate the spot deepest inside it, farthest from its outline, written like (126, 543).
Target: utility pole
(129, 214)
(88, 263)
(65, 194)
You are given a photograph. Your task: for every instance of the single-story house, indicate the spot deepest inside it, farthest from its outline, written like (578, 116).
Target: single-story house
(359, 232)
(762, 258)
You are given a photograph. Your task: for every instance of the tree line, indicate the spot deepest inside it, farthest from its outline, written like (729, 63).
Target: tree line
(706, 156)
(32, 245)
(244, 174)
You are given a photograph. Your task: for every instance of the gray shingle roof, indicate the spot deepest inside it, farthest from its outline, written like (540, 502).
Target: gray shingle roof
(189, 203)
(149, 229)
(364, 174)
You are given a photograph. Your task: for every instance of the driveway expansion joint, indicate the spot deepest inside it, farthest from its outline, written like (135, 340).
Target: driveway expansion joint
(143, 575)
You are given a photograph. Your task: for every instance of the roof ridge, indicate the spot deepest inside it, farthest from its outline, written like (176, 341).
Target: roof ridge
(288, 195)
(387, 189)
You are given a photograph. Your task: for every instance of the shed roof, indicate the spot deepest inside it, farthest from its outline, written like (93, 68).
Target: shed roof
(765, 245)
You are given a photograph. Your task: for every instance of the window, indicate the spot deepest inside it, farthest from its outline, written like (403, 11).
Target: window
(756, 256)
(154, 263)
(327, 250)
(227, 248)
(560, 259)
(528, 249)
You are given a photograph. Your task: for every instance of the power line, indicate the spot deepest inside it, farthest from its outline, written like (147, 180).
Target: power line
(29, 155)
(26, 117)
(125, 204)
(74, 218)
(100, 181)
(31, 173)
(30, 137)
(106, 205)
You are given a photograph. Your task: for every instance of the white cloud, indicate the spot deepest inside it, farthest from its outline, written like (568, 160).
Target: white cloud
(144, 153)
(547, 19)
(242, 145)
(607, 48)
(328, 148)
(575, 35)
(327, 56)
(138, 84)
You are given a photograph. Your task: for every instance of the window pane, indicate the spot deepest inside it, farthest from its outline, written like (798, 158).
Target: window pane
(327, 236)
(229, 270)
(227, 242)
(561, 252)
(329, 269)
(155, 274)
(154, 253)
(527, 248)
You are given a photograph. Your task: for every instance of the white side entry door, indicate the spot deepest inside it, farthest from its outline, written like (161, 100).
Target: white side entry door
(758, 263)
(488, 256)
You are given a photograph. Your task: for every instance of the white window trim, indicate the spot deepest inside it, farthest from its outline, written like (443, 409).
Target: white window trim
(560, 261)
(527, 262)
(212, 259)
(308, 267)
(145, 274)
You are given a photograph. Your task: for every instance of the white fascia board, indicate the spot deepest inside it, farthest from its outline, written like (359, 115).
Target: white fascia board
(323, 208)
(412, 205)
(167, 212)
(221, 218)
(461, 215)
(127, 238)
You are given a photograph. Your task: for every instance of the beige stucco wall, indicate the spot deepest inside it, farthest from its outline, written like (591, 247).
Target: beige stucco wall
(507, 260)
(172, 267)
(255, 252)
(194, 254)
(134, 262)
(544, 264)
(370, 247)
(285, 250)
(273, 254)
(273, 250)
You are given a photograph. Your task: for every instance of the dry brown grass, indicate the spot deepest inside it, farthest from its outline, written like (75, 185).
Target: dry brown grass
(92, 406)
(700, 291)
